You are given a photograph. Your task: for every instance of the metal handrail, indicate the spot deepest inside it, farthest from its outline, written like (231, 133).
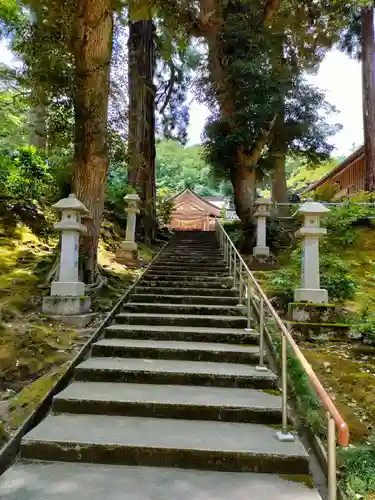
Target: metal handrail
(237, 267)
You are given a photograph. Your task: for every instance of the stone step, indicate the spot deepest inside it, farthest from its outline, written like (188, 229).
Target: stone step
(185, 299)
(165, 371)
(177, 271)
(184, 309)
(129, 318)
(178, 283)
(193, 253)
(192, 267)
(170, 401)
(223, 446)
(29, 480)
(183, 333)
(170, 349)
(226, 280)
(191, 260)
(217, 292)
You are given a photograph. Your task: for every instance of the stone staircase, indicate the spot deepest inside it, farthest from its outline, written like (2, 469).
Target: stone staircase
(170, 405)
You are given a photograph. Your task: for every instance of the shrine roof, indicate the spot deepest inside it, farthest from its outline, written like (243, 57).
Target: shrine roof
(214, 209)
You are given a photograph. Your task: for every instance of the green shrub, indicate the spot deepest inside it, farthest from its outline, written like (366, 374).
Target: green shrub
(365, 325)
(357, 464)
(334, 277)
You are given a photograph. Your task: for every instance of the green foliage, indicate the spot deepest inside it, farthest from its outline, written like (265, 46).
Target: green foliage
(342, 219)
(164, 208)
(304, 172)
(310, 409)
(179, 167)
(357, 464)
(334, 277)
(29, 177)
(13, 120)
(365, 325)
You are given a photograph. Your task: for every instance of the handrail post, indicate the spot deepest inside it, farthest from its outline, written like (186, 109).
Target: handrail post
(331, 448)
(241, 285)
(284, 435)
(234, 269)
(248, 305)
(261, 367)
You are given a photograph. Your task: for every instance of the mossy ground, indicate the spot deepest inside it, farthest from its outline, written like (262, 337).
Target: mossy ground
(34, 351)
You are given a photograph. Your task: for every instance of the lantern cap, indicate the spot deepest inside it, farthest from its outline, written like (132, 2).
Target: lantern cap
(70, 203)
(313, 208)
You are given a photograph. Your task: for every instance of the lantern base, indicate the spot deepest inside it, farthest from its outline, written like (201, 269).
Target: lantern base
(315, 296)
(55, 304)
(261, 251)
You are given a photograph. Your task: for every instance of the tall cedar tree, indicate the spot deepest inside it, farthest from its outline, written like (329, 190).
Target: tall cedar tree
(92, 47)
(141, 142)
(368, 85)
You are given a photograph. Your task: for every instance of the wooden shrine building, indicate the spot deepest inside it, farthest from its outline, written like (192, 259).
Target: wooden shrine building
(192, 212)
(348, 178)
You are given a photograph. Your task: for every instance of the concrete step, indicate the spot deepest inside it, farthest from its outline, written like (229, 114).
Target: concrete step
(188, 261)
(130, 318)
(170, 401)
(178, 283)
(30, 480)
(162, 371)
(185, 299)
(183, 333)
(161, 308)
(220, 280)
(223, 446)
(189, 267)
(217, 292)
(177, 271)
(171, 349)
(192, 255)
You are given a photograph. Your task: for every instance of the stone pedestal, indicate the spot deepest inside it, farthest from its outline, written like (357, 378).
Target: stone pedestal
(68, 293)
(127, 254)
(310, 233)
(261, 249)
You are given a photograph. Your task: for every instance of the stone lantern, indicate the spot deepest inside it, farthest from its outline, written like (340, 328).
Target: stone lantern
(263, 211)
(68, 293)
(128, 252)
(310, 233)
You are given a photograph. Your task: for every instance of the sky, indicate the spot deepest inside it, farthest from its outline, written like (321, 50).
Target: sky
(338, 75)
(341, 78)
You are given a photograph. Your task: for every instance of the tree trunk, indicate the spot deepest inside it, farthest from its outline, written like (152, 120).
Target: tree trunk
(244, 182)
(92, 47)
(142, 120)
(368, 54)
(38, 119)
(278, 149)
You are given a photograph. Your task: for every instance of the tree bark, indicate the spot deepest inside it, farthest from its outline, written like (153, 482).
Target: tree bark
(92, 48)
(38, 119)
(244, 182)
(368, 67)
(142, 120)
(279, 186)
(278, 150)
